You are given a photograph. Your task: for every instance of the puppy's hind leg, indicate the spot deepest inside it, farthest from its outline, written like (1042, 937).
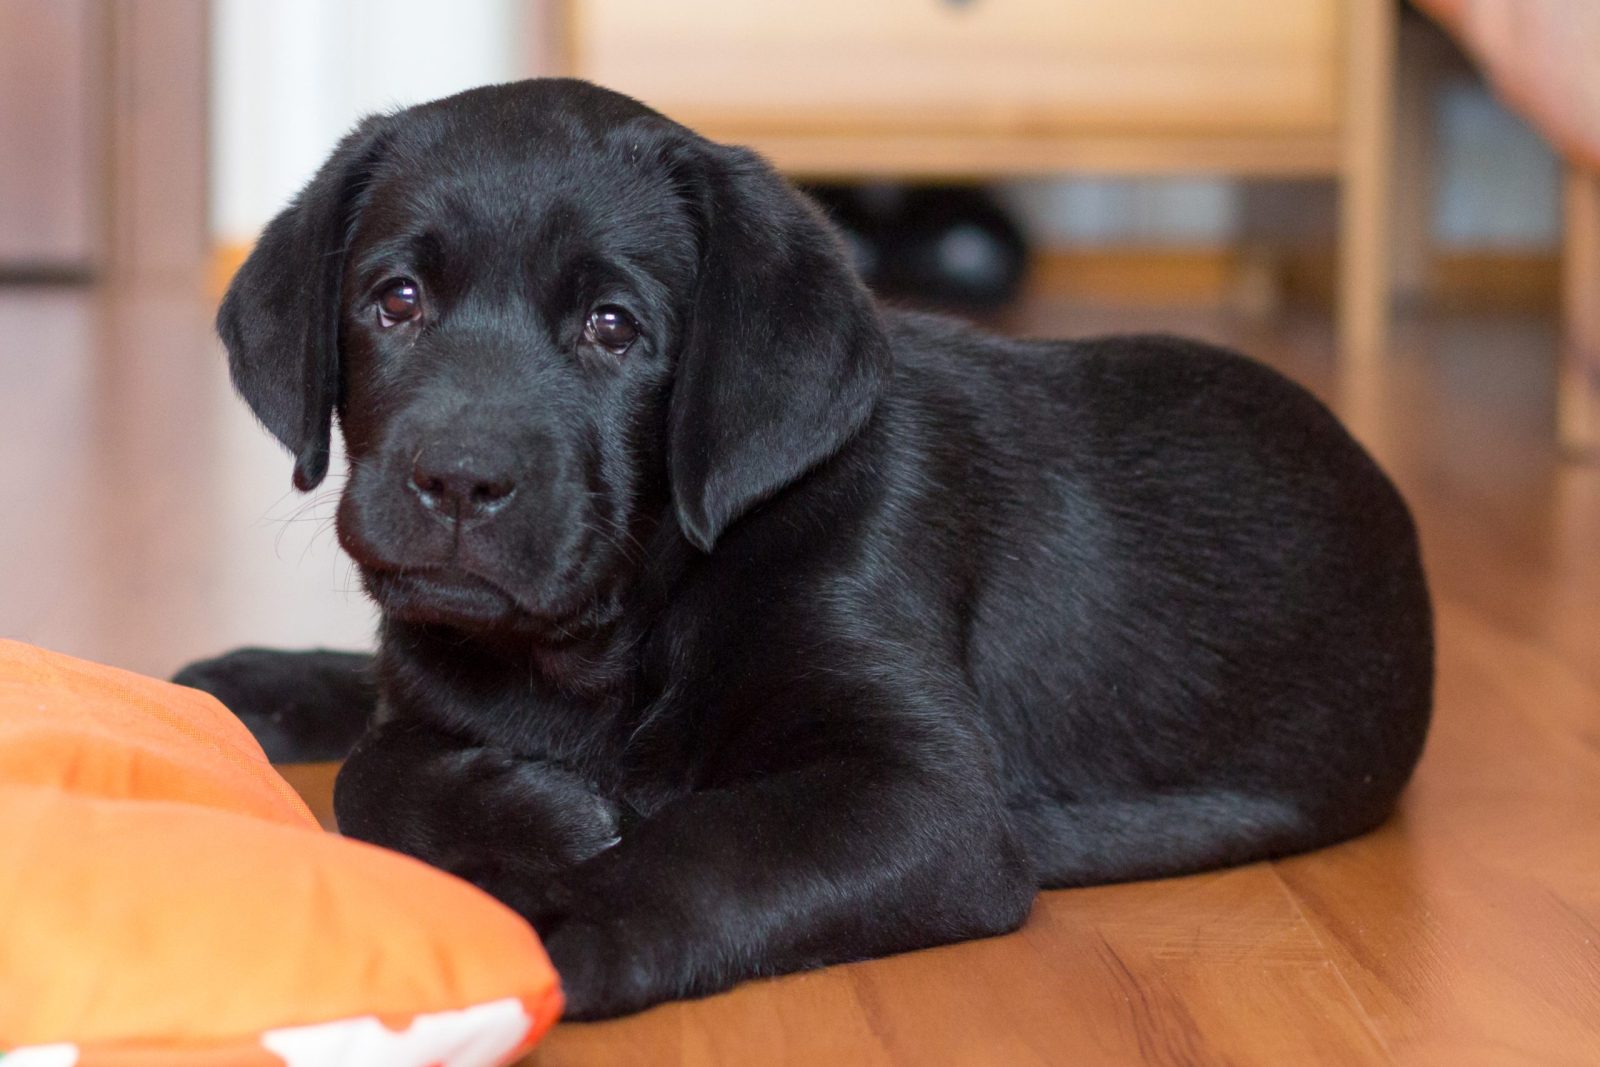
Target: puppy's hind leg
(303, 707)
(1159, 835)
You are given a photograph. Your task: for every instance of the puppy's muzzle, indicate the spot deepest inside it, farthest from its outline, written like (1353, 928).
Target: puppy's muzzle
(459, 486)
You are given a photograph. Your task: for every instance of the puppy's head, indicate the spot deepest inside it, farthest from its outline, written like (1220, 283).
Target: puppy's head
(550, 322)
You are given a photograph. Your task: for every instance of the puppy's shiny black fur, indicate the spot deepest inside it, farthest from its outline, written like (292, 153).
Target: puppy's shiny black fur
(799, 630)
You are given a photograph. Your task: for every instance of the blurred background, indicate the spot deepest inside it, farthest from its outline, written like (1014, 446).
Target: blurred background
(1394, 203)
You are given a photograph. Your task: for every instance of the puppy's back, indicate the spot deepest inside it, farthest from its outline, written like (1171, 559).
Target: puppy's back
(1190, 575)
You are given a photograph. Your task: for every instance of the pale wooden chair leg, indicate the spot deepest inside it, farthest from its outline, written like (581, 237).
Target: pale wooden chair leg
(1578, 390)
(1425, 59)
(1364, 261)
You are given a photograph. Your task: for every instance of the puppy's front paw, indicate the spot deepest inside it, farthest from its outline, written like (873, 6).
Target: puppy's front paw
(603, 971)
(300, 706)
(531, 811)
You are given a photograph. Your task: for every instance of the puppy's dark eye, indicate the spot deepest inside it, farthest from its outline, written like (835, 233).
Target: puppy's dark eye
(399, 301)
(611, 328)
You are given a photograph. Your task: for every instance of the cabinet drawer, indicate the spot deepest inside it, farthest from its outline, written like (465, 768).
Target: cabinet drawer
(1037, 66)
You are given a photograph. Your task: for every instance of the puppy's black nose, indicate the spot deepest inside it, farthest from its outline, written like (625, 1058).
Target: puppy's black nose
(458, 489)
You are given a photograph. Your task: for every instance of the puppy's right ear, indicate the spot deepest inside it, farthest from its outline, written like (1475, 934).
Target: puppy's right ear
(280, 317)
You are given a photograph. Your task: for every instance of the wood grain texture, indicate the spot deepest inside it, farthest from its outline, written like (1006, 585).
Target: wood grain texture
(103, 115)
(160, 75)
(924, 89)
(1364, 188)
(993, 64)
(927, 155)
(1579, 387)
(146, 504)
(52, 98)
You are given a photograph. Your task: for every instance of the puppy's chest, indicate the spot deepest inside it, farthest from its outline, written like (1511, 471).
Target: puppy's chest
(646, 722)
(628, 740)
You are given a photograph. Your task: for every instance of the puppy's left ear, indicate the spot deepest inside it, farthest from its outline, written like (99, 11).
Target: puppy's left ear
(784, 355)
(280, 317)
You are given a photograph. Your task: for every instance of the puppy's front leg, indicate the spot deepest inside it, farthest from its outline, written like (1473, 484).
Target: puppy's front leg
(500, 821)
(837, 860)
(301, 706)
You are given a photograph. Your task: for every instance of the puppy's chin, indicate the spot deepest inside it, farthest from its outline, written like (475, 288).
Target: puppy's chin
(461, 600)
(445, 584)
(443, 597)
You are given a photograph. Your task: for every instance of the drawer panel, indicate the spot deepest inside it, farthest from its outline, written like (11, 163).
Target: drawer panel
(1015, 65)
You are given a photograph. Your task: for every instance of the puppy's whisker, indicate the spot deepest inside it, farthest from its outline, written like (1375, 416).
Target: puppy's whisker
(310, 510)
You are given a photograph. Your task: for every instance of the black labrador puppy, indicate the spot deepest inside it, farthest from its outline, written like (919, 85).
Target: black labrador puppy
(733, 624)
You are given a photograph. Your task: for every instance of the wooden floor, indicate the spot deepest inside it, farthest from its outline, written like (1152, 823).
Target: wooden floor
(146, 521)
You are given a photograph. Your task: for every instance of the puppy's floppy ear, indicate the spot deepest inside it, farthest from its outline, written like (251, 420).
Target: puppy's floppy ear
(280, 317)
(784, 355)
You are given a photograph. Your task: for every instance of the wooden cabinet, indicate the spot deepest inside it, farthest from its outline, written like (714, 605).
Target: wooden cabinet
(992, 65)
(993, 88)
(51, 121)
(103, 112)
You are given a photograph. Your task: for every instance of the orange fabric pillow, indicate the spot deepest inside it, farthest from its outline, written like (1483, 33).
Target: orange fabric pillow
(166, 899)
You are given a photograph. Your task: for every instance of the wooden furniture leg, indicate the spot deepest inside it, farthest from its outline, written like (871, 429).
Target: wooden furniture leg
(1364, 265)
(157, 68)
(1425, 60)
(1578, 392)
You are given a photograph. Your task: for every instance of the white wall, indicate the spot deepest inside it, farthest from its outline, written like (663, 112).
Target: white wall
(1498, 181)
(292, 76)
(1140, 211)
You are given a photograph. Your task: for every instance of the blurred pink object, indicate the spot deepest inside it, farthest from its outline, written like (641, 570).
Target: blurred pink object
(1543, 58)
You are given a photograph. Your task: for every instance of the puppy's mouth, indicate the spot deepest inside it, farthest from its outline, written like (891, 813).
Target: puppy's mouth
(443, 595)
(451, 596)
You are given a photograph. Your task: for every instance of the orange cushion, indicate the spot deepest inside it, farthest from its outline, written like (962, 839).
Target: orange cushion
(166, 899)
